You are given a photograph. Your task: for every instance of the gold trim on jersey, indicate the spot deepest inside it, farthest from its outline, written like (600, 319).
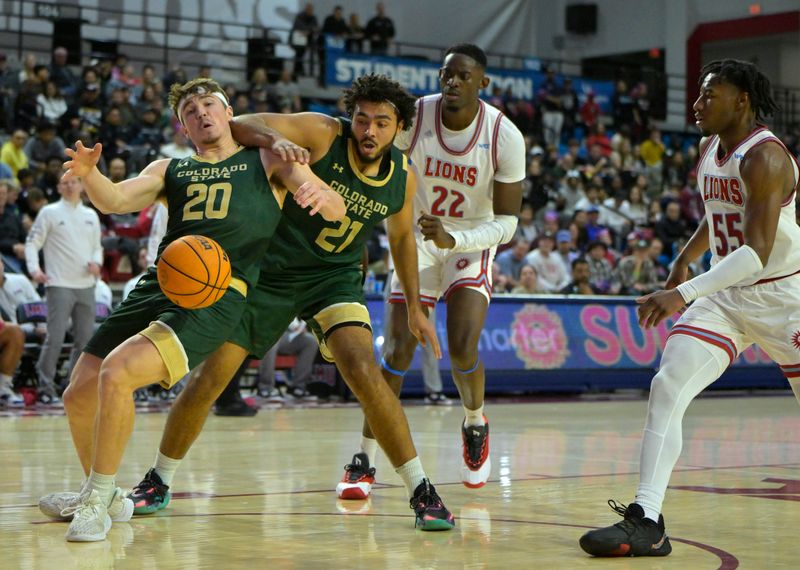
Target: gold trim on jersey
(171, 350)
(199, 158)
(365, 179)
(279, 194)
(239, 286)
(405, 162)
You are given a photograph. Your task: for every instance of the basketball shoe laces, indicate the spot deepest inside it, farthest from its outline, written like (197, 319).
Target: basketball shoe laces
(630, 524)
(475, 445)
(82, 505)
(357, 471)
(428, 498)
(149, 487)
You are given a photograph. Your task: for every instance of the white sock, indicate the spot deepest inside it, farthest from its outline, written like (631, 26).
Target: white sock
(412, 474)
(370, 447)
(474, 417)
(166, 467)
(103, 484)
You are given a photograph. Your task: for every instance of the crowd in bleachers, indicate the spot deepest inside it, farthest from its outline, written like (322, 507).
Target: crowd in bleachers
(609, 199)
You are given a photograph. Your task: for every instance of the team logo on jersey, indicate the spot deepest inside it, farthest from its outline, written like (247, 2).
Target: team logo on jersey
(338, 167)
(538, 337)
(462, 263)
(796, 340)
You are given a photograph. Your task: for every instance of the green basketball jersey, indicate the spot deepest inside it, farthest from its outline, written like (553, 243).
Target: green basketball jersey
(306, 244)
(230, 201)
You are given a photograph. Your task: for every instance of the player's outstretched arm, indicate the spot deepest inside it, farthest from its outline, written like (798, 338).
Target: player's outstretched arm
(121, 198)
(312, 131)
(403, 246)
(308, 190)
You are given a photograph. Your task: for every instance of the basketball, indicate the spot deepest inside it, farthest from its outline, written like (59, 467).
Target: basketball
(194, 272)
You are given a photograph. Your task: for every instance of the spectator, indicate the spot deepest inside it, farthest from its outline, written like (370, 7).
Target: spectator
(570, 192)
(303, 36)
(538, 192)
(34, 202)
(580, 279)
(115, 135)
(551, 99)
(660, 261)
(636, 273)
(258, 89)
(51, 103)
(12, 234)
(16, 290)
(295, 341)
(43, 145)
(635, 207)
(334, 25)
(570, 106)
(117, 170)
(652, 151)
(12, 153)
(622, 105)
(691, 200)
(88, 109)
(131, 283)
(526, 228)
(528, 282)
(590, 112)
(355, 35)
(60, 73)
(564, 247)
(601, 274)
(178, 148)
(120, 100)
(614, 209)
(8, 88)
(48, 181)
(671, 228)
(379, 31)
(598, 137)
(12, 342)
(69, 234)
(286, 93)
(641, 111)
(500, 282)
(548, 265)
(511, 261)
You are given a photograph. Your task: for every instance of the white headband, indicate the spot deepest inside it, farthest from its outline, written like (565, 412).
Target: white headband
(198, 91)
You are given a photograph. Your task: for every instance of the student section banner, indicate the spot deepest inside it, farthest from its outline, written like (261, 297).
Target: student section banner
(590, 341)
(421, 77)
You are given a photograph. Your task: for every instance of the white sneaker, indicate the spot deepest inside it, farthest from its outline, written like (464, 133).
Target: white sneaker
(90, 520)
(8, 397)
(55, 504)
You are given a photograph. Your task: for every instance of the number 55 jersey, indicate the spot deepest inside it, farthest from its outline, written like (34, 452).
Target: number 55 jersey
(725, 197)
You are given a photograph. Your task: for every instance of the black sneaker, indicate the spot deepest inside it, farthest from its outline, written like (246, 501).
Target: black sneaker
(430, 510)
(150, 495)
(238, 408)
(634, 536)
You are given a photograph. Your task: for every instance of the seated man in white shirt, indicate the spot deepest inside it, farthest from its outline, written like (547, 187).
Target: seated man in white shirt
(295, 341)
(552, 272)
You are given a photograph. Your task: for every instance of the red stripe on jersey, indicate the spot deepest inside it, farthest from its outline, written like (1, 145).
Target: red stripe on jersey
(771, 279)
(475, 135)
(733, 150)
(417, 126)
(495, 135)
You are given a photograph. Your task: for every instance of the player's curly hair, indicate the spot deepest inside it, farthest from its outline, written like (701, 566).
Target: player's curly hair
(747, 77)
(470, 50)
(198, 85)
(376, 88)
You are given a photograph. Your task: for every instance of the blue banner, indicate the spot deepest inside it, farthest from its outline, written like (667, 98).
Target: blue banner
(422, 77)
(563, 334)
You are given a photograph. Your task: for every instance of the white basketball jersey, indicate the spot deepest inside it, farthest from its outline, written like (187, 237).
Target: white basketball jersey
(457, 169)
(725, 196)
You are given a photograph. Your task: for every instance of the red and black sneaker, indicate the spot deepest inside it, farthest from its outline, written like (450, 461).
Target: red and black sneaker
(358, 479)
(476, 464)
(634, 536)
(430, 510)
(150, 495)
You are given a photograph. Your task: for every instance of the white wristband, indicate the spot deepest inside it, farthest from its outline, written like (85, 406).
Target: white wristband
(734, 268)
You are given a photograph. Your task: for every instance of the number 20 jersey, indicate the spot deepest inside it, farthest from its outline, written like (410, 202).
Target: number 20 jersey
(725, 196)
(457, 169)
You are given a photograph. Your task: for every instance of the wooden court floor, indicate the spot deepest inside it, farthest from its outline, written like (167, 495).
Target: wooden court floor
(259, 492)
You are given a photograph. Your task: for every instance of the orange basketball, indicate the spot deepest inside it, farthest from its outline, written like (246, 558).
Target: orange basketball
(194, 272)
